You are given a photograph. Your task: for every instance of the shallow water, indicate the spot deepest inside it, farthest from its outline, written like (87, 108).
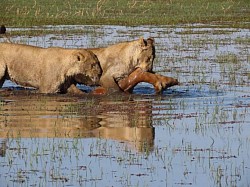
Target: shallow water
(194, 134)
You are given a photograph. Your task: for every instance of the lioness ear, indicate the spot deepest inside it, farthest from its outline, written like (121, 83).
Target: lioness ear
(142, 43)
(79, 56)
(150, 41)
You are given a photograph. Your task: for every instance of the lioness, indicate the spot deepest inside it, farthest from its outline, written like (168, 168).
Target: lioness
(50, 70)
(126, 64)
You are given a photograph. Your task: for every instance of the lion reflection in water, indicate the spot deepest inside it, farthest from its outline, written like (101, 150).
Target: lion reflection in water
(61, 117)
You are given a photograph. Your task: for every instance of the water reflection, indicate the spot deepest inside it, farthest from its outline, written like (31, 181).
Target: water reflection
(39, 116)
(3, 147)
(127, 121)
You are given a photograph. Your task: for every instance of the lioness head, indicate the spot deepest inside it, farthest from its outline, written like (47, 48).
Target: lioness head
(89, 70)
(145, 54)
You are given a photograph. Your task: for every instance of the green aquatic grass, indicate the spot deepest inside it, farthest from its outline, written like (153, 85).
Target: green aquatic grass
(227, 58)
(25, 13)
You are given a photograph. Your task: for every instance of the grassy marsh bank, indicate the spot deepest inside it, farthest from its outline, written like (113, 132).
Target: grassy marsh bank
(19, 13)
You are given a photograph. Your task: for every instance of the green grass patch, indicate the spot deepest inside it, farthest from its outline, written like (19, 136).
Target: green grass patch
(227, 58)
(25, 13)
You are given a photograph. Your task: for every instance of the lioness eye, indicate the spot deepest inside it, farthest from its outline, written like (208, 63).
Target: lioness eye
(93, 65)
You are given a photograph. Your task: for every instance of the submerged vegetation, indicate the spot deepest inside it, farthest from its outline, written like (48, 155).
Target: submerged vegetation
(227, 58)
(19, 13)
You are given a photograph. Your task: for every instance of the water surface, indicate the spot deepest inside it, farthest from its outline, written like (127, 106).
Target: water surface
(194, 134)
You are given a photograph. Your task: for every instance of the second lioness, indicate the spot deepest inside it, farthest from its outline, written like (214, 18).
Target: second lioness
(50, 70)
(126, 64)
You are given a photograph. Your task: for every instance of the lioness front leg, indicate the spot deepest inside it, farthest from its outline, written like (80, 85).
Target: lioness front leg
(108, 82)
(74, 90)
(158, 81)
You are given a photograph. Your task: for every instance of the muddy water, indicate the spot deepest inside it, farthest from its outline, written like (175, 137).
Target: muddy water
(194, 134)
